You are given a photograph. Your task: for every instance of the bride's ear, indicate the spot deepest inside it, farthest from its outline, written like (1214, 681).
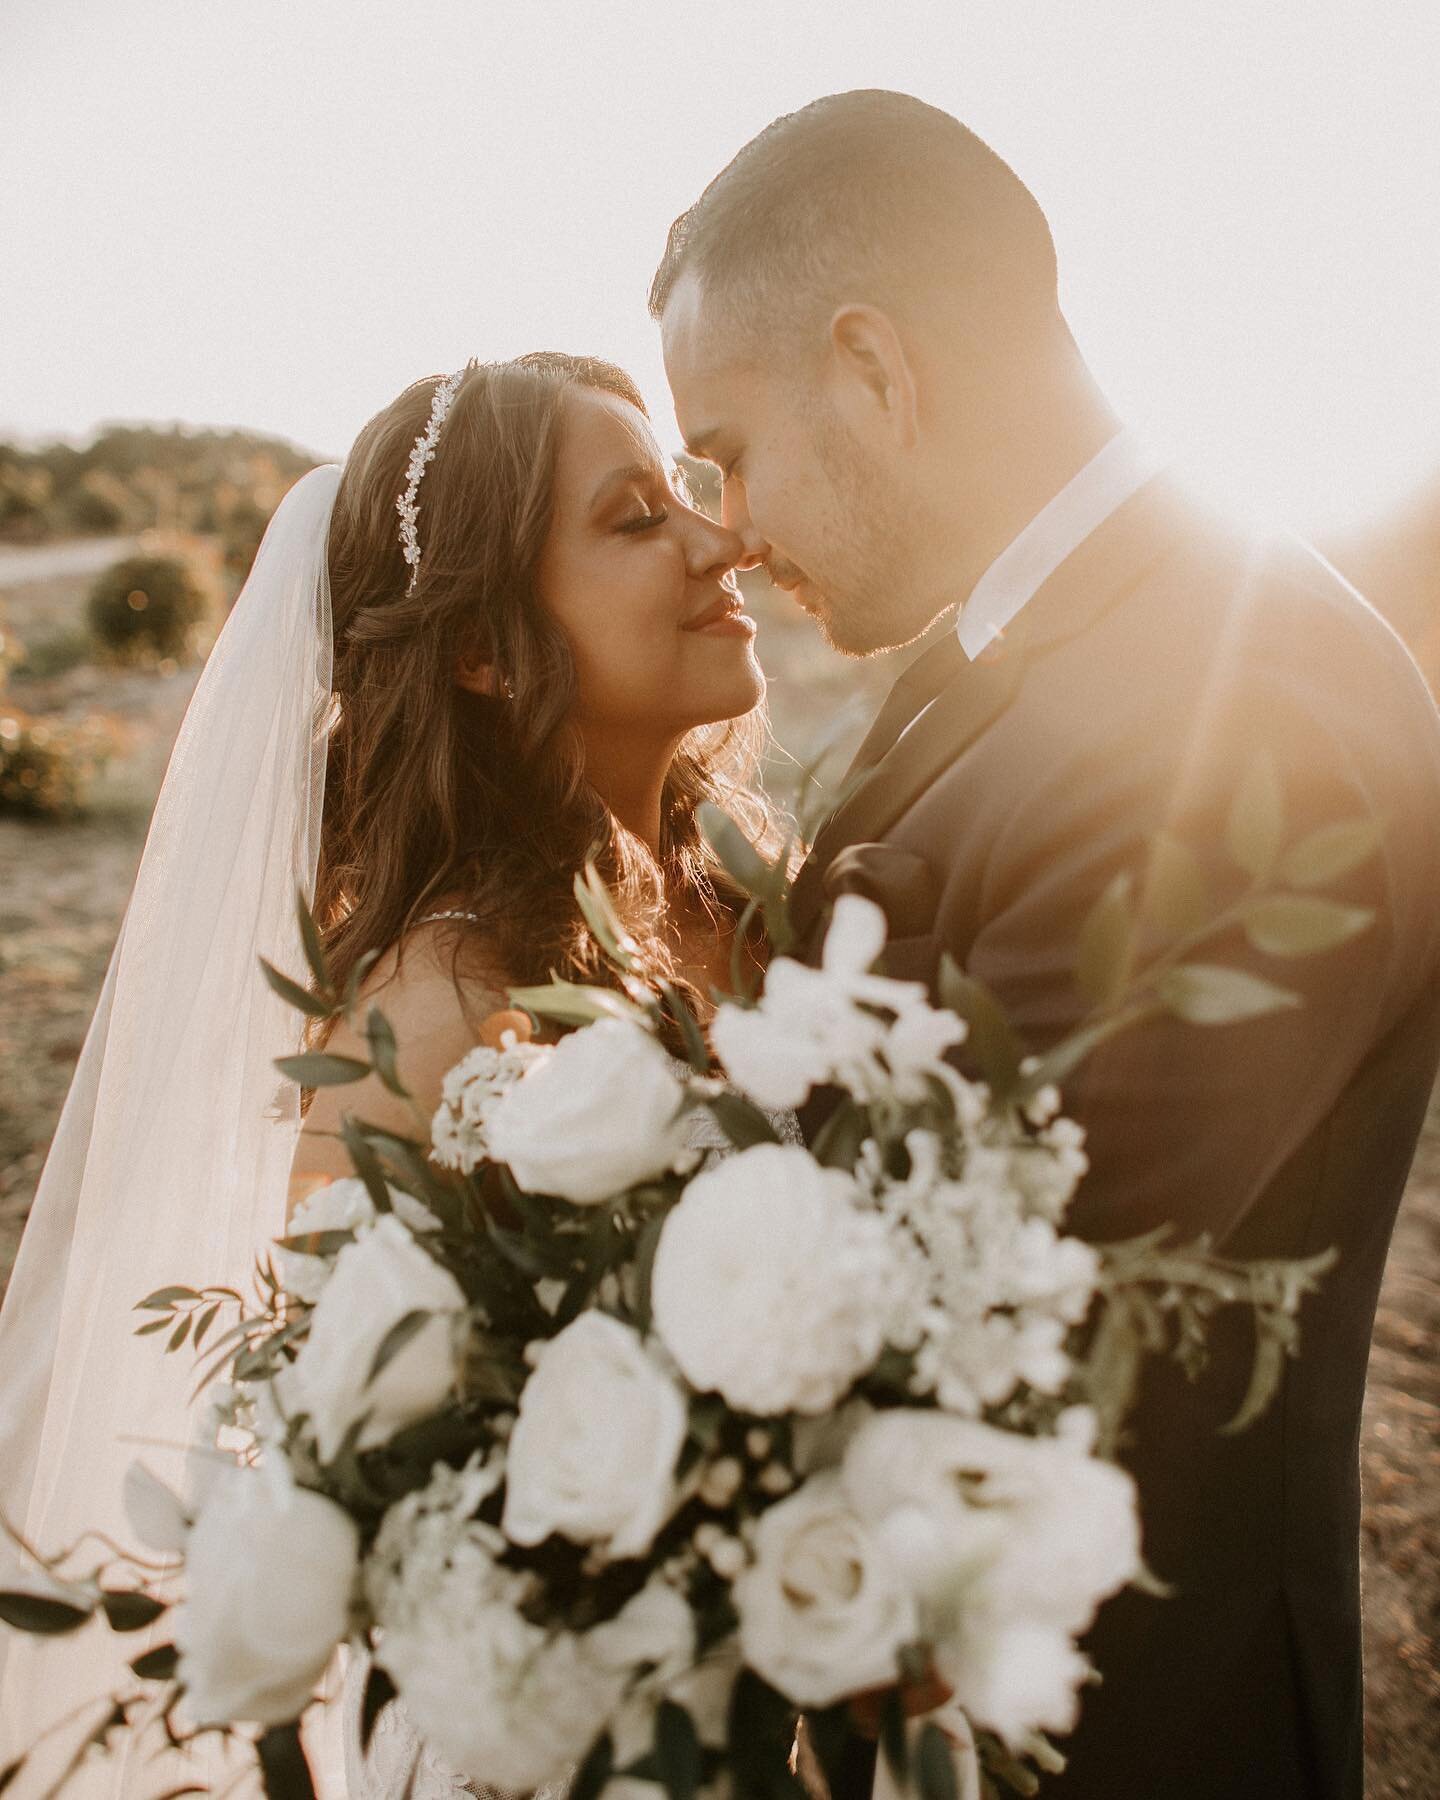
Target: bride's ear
(477, 676)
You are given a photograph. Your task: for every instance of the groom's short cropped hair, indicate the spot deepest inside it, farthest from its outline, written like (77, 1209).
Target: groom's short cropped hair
(852, 198)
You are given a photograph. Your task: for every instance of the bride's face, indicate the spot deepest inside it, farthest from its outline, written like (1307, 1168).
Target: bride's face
(642, 585)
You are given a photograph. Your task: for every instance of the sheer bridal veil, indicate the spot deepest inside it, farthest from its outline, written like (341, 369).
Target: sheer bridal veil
(172, 1156)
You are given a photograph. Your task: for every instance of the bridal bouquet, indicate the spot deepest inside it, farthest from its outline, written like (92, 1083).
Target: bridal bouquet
(619, 1428)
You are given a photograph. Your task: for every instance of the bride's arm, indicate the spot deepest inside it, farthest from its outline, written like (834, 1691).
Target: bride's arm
(435, 1017)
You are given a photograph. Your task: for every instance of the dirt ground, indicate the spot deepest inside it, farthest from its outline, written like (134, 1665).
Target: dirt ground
(63, 889)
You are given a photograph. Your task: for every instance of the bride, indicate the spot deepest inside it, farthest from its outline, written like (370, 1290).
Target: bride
(498, 643)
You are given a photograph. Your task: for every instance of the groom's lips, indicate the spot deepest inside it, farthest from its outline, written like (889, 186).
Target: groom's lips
(724, 617)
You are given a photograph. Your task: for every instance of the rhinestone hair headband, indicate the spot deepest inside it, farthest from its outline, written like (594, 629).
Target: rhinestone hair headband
(422, 454)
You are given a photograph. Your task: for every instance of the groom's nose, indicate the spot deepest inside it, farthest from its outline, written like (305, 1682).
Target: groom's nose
(735, 515)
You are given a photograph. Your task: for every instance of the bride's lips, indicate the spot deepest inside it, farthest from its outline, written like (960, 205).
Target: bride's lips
(724, 617)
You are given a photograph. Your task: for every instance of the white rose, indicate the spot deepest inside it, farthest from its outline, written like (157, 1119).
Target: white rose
(377, 1280)
(343, 1205)
(269, 1576)
(601, 1113)
(593, 1451)
(823, 1611)
(998, 1535)
(771, 1284)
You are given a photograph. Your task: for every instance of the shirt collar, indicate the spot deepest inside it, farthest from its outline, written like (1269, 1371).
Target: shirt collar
(1060, 527)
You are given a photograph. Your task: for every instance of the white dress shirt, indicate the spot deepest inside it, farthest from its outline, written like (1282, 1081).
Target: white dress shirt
(1058, 529)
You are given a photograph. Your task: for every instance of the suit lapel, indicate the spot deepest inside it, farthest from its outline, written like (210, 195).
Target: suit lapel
(969, 705)
(1100, 573)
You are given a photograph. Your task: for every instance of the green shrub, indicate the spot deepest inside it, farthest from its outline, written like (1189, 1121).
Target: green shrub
(148, 608)
(46, 768)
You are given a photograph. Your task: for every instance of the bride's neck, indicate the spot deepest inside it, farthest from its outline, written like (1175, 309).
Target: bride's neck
(630, 779)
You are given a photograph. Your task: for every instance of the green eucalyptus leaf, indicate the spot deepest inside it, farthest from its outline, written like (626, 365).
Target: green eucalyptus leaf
(153, 1325)
(677, 1750)
(282, 1764)
(1209, 994)
(569, 1003)
(1256, 826)
(367, 1163)
(1302, 924)
(380, 1036)
(935, 1764)
(158, 1664)
(395, 1340)
(299, 997)
(1266, 1372)
(990, 1037)
(741, 1121)
(132, 1611)
(357, 979)
(1176, 895)
(163, 1298)
(317, 1069)
(690, 1032)
(180, 1333)
(1332, 851)
(311, 944)
(837, 1143)
(1106, 951)
(647, 1243)
(594, 1773)
(894, 1742)
(205, 1321)
(380, 1690)
(317, 1243)
(40, 1614)
(599, 911)
(739, 857)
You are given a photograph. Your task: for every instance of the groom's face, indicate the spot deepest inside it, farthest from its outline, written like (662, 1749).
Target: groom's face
(803, 493)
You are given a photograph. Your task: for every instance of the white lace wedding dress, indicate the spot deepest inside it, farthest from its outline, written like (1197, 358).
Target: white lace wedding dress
(399, 1762)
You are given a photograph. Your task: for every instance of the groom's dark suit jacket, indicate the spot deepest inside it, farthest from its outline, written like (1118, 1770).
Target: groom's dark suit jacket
(1128, 699)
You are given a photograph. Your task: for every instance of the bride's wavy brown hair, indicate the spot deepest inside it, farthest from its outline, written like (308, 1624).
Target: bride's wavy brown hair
(433, 792)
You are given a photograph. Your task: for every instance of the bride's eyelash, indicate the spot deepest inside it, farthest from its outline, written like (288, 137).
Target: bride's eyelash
(647, 521)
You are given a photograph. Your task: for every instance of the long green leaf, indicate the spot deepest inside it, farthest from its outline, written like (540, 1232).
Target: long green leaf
(677, 1751)
(384, 1051)
(1332, 851)
(40, 1614)
(317, 1069)
(741, 1121)
(1209, 994)
(311, 944)
(299, 997)
(282, 1763)
(1102, 966)
(132, 1611)
(395, 1340)
(1302, 924)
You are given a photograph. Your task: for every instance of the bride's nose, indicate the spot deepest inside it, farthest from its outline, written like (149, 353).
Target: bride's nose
(712, 550)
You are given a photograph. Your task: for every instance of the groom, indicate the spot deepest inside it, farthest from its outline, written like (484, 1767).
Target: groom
(861, 328)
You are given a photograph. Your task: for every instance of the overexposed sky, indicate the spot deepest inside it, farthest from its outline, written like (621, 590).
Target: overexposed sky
(277, 212)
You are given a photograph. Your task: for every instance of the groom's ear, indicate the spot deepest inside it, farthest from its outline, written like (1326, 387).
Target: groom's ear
(875, 377)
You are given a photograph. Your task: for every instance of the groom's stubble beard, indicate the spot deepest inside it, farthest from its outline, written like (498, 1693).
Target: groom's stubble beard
(870, 597)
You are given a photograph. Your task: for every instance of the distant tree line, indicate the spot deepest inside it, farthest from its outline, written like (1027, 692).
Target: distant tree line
(133, 478)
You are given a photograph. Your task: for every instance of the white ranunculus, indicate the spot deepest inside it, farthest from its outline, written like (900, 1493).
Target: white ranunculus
(823, 1610)
(377, 1280)
(593, 1451)
(343, 1205)
(601, 1113)
(771, 1283)
(269, 1577)
(998, 1535)
(469, 1096)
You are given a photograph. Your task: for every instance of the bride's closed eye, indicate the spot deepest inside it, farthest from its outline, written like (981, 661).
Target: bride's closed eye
(646, 521)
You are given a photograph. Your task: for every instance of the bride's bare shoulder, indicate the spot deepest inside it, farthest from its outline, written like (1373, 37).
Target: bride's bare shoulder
(436, 988)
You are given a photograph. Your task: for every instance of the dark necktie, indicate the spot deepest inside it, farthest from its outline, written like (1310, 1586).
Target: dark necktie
(926, 677)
